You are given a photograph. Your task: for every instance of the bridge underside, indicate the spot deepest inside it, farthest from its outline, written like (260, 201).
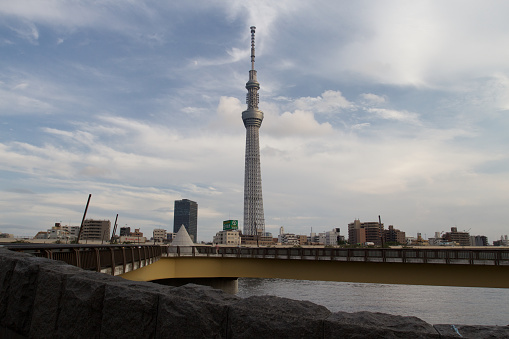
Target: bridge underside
(365, 272)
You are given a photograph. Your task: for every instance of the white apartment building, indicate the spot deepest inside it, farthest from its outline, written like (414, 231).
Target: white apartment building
(72, 231)
(57, 233)
(288, 239)
(63, 232)
(159, 235)
(332, 237)
(227, 238)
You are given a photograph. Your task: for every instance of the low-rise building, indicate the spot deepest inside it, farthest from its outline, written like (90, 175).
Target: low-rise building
(461, 238)
(333, 238)
(131, 240)
(72, 231)
(159, 235)
(313, 239)
(227, 237)
(504, 241)
(303, 239)
(170, 236)
(288, 239)
(393, 235)
(479, 240)
(137, 233)
(57, 233)
(125, 231)
(435, 241)
(258, 240)
(61, 232)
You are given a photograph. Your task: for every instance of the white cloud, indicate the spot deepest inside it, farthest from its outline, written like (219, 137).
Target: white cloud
(229, 112)
(328, 102)
(402, 116)
(430, 44)
(299, 123)
(27, 31)
(370, 99)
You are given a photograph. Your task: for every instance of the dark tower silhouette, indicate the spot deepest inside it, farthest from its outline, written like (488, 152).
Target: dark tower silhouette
(186, 213)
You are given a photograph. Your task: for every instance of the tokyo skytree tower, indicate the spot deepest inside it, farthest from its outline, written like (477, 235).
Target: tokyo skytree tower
(254, 221)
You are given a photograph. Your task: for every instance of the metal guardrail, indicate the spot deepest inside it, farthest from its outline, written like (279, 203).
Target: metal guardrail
(96, 257)
(129, 257)
(386, 255)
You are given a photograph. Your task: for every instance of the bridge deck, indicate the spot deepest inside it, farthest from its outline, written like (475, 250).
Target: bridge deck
(417, 266)
(326, 270)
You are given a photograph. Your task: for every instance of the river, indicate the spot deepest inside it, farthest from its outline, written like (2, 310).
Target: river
(433, 304)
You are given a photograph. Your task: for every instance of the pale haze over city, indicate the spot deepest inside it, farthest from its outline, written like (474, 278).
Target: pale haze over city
(390, 108)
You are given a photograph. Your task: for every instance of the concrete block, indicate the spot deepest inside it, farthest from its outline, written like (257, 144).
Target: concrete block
(21, 294)
(50, 286)
(274, 317)
(81, 307)
(193, 311)
(7, 265)
(129, 311)
(376, 325)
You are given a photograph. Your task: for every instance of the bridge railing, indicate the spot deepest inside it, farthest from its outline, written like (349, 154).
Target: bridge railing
(99, 258)
(397, 255)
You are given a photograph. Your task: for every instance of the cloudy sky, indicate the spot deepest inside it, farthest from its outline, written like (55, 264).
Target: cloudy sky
(391, 108)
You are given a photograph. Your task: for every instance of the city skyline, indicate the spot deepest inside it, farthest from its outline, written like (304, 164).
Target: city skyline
(385, 108)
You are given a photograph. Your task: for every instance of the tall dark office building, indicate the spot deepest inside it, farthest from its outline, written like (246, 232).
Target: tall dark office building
(186, 213)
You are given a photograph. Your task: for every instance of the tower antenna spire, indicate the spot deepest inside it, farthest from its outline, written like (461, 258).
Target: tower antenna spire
(253, 28)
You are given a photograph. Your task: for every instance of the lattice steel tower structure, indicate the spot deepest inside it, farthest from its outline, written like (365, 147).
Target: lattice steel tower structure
(254, 221)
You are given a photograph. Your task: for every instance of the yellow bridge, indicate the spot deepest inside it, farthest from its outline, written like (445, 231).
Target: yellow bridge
(443, 267)
(413, 266)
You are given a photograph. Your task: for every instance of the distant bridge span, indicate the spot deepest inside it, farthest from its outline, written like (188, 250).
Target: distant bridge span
(442, 267)
(414, 266)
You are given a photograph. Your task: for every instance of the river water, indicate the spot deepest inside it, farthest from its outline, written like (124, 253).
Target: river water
(433, 304)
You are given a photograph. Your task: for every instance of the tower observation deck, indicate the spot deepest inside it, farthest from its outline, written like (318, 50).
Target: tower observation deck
(254, 220)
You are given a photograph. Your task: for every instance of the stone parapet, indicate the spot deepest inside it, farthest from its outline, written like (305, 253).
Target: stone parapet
(42, 298)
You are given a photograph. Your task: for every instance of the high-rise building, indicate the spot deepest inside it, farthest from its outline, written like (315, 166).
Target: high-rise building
(186, 213)
(363, 232)
(96, 230)
(254, 220)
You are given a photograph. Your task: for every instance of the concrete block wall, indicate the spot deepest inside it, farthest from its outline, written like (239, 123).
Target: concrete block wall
(41, 298)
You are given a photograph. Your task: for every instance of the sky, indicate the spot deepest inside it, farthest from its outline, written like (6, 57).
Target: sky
(390, 108)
